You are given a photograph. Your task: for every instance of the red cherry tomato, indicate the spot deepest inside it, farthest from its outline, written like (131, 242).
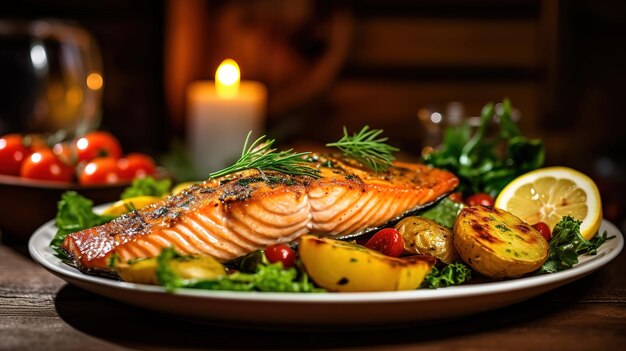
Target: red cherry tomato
(135, 165)
(12, 154)
(544, 230)
(387, 241)
(480, 199)
(45, 165)
(456, 197)
(281, 253)
(102, 170)
(97, 144)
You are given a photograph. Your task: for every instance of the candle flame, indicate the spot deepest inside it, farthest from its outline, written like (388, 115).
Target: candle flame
(227, 79)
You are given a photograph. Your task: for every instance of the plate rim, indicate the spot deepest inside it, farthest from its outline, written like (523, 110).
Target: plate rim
(420, 295)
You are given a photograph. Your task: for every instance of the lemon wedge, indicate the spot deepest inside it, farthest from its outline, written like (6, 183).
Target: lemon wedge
(548, 194)
(126, 205)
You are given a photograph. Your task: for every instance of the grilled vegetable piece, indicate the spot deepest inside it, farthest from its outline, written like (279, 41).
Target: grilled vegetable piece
(426, 237)
(187, 267)
(497, 244)
(343, 266)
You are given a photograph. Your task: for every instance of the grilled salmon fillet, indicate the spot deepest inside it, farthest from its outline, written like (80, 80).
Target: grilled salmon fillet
(242, 212)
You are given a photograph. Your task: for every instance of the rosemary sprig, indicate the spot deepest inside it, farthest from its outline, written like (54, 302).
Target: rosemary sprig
(262, 156)
(366, 148)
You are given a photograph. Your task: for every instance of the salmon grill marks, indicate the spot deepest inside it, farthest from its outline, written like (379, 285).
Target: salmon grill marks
(245, 211)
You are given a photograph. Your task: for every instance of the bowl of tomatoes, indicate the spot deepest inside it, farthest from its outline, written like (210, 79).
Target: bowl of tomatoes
(35, 172)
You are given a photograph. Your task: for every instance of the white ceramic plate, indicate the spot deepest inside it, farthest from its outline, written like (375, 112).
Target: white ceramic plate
(324, 309)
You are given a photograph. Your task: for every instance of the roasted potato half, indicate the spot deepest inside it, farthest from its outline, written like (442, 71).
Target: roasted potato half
(426, 237)
(342, 266)
(497, 244)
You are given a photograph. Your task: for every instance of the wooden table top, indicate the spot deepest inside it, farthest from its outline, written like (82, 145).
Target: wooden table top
(39, 311)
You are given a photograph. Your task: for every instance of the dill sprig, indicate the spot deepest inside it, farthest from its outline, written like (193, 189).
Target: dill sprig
(366, 148)
(260, 155)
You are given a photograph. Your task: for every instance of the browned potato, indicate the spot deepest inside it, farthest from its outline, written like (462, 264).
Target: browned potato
(497, 244)
(426, 237)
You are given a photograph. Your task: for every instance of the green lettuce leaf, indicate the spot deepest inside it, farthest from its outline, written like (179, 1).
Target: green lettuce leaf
(74, 213)
(268, 277)
(453, 274)
(444, 212)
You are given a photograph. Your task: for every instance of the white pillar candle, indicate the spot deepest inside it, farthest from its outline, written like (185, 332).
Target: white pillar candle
(220, 115)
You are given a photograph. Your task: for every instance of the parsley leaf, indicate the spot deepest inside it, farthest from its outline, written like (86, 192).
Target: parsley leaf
(567, 244)
(147, 186)
(453, 274)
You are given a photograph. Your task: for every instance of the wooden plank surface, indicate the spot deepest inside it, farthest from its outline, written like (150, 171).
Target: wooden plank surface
(40, 312)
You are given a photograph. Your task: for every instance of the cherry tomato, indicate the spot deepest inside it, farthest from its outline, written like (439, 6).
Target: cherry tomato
(12, 154)
(102, 170)
(282, 253)
(387, 241)
(45, 165)
(97, 144)
(544, 230)
(135, 165)
(456, 197)
(480, 199)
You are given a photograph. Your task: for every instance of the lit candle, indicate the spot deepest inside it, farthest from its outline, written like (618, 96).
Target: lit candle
(220, 115)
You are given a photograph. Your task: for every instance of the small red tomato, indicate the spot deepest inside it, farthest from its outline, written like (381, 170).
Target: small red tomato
(387, 241)
(282, 253)
(544, 230)
(102, 170)
(135, 165)
(97, 144)
(12, 154)
(456, 197)
(45, 165)
(480, 199)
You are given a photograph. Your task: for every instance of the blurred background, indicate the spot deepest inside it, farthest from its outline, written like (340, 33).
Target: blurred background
(387, 63)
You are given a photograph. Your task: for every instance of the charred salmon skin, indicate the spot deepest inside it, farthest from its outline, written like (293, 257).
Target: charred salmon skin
(242, 212)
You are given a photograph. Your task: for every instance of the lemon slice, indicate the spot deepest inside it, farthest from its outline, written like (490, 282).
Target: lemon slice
(548, 194)
(133, 203)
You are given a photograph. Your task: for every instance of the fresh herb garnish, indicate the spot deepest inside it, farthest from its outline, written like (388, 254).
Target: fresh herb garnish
(260, 155)
(367, 148)
(444, 212)
(147, 186)
(476, 159)
(453, 274)
(74, 213)
(268, 277)
(567, 244)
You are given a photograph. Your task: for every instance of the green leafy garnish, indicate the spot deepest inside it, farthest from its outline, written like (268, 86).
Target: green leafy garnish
(260, 155)
(477, 159)
(453, 274)
(147, 186)
(444, 212)
(74, 213)
(367, 148)
(268, 277)
(567, 244)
